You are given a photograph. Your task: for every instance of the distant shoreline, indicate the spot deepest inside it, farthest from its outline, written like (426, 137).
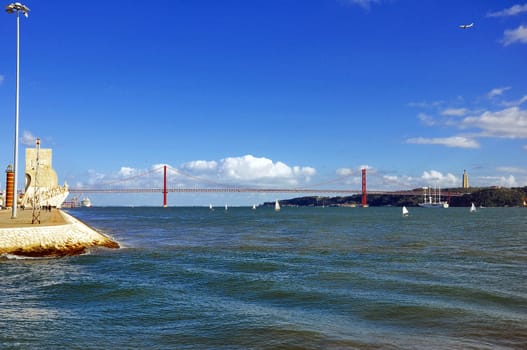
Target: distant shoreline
(488, 197)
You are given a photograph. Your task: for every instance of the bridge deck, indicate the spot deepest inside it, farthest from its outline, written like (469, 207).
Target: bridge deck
(251, 190)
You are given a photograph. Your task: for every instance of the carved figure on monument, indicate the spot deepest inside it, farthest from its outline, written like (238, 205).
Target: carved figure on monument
(49, 191)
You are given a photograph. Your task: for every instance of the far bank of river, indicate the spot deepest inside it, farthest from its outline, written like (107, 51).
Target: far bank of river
(485, 197)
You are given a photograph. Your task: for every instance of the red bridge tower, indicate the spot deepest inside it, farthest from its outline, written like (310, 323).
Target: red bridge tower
(165, 187)
(364, 195)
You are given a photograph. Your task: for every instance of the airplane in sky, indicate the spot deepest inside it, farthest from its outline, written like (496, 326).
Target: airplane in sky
(466, 26)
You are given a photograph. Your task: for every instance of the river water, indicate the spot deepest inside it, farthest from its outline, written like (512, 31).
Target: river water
(301, 278)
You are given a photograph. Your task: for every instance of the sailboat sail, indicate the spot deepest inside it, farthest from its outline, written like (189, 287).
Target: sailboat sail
(472, 208)
(432, 198)
(276, 206)
(405, 211)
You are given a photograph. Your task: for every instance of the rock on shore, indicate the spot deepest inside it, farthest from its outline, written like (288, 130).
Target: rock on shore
(71, 238)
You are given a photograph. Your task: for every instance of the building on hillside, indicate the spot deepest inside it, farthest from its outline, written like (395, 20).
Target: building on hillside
(465, 179)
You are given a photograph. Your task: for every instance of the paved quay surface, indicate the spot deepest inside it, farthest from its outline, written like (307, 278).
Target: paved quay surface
(24, 218)
(58, 234)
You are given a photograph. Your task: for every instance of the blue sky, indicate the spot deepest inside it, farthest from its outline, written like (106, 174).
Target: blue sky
(274, 93)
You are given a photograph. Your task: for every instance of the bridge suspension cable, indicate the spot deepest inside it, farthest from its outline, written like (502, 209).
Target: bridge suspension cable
(218, 187)
(203, 180)
(131, 177)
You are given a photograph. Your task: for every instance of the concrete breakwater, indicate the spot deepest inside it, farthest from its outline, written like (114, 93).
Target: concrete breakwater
(57, 234)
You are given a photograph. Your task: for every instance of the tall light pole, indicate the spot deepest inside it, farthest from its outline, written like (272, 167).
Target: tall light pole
(16, 7)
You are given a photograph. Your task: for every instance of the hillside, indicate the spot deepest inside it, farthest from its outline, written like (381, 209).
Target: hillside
(487, 197)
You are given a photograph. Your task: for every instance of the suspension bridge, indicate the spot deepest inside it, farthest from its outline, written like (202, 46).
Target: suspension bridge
(216, 187)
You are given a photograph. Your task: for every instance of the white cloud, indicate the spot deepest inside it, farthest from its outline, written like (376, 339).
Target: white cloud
(455, 112)
(369, 169)
(391, 178)
(126, 177)
(245, 171)
(509, 181)
(248, 169)
(436, 178)
(251, 168)
(423, 104)
(426, 119)
(454, 141)
(433, 179)
(497, 91)
(362, 3)
(347, 176)
(28, 139)
(511, 11)
(344, 172)
(507, 123)
(512, 170)
(515, 103)
(126, 171)
(304, 171)
(504, 181)
(399, 182)
(201, 165)
(518, 35)
(93, 178)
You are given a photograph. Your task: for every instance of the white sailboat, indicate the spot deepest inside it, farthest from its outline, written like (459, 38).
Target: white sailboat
(472, 208)
(210, 207)
(405, 211)
(226, 207)
(276, 206)
(254, 206)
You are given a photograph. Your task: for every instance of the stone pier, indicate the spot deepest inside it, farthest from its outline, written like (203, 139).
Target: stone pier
(57, 234)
